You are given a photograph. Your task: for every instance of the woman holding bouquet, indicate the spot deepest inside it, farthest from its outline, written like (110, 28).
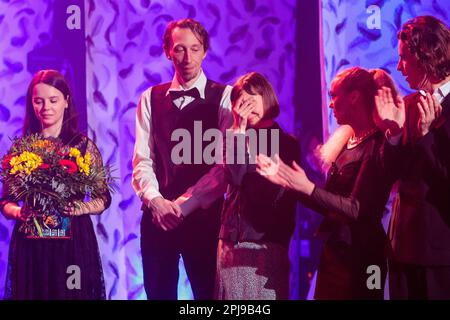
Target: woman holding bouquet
(48, 267)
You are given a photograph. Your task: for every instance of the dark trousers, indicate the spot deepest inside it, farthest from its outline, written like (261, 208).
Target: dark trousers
(413, 282)
(196, 240)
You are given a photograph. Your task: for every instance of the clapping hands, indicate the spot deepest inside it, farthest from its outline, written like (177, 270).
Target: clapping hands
(389, 113)
(429, 109)
(277, 172)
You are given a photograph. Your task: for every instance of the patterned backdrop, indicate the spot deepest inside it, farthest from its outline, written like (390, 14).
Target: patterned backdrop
(364, 33)
(124, 56)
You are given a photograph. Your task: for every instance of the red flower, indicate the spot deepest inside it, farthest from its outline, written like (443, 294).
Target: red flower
(44, 166)
(69, 165)
(6, 160)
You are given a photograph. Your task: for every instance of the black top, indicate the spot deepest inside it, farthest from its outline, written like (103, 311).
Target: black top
(255, 209)
(354, 197)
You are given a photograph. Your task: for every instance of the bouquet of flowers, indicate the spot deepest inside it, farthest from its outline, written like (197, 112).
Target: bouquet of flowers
(47, 176)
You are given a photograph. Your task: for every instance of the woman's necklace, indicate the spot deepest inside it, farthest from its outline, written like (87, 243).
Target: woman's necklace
(354, 141)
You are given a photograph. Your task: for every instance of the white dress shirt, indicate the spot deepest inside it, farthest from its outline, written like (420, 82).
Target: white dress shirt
(441, 92)
(211, 186)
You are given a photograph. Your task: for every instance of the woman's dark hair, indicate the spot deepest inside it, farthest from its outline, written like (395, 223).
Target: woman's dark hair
(428, 39)
(196, 27)
(255, 83)
(55, 79)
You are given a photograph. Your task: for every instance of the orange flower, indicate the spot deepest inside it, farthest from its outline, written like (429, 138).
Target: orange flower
(69, 165)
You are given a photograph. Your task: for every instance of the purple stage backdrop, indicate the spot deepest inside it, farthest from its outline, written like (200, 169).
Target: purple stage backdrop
(36, 35)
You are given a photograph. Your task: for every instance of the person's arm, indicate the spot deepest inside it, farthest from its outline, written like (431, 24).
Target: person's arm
(389, 113)
(78, 208)
(390, 117)
(166, 214)
(433, 144)
(213, 184)
(365, 197)
(11, 210)
(265, 192)
(144, 180)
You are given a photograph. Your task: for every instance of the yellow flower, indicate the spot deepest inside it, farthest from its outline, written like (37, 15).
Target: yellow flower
(84, 163)
(25, 162)
(74, 152)
(87, 157)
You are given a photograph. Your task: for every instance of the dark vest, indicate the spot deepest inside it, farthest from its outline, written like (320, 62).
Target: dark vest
(175, 179)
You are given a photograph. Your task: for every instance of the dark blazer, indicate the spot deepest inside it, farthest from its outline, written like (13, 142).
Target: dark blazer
(419, 231)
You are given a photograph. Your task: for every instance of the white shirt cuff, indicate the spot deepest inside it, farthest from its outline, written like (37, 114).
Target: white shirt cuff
(393, 140)
(188, 204)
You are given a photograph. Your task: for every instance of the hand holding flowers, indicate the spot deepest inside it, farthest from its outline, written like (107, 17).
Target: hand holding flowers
(53, 181)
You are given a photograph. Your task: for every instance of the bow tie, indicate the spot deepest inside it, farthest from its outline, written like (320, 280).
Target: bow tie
(182, 93)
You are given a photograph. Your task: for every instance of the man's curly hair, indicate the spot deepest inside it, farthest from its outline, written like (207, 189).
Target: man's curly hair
(428, 39)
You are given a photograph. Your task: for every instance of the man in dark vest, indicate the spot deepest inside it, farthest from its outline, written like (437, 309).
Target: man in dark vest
(180, 211)
(418, 153)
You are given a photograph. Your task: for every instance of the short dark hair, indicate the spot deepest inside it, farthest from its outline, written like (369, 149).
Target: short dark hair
(196, 27)
(70, 121)
(428, 39)
(255, 83)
